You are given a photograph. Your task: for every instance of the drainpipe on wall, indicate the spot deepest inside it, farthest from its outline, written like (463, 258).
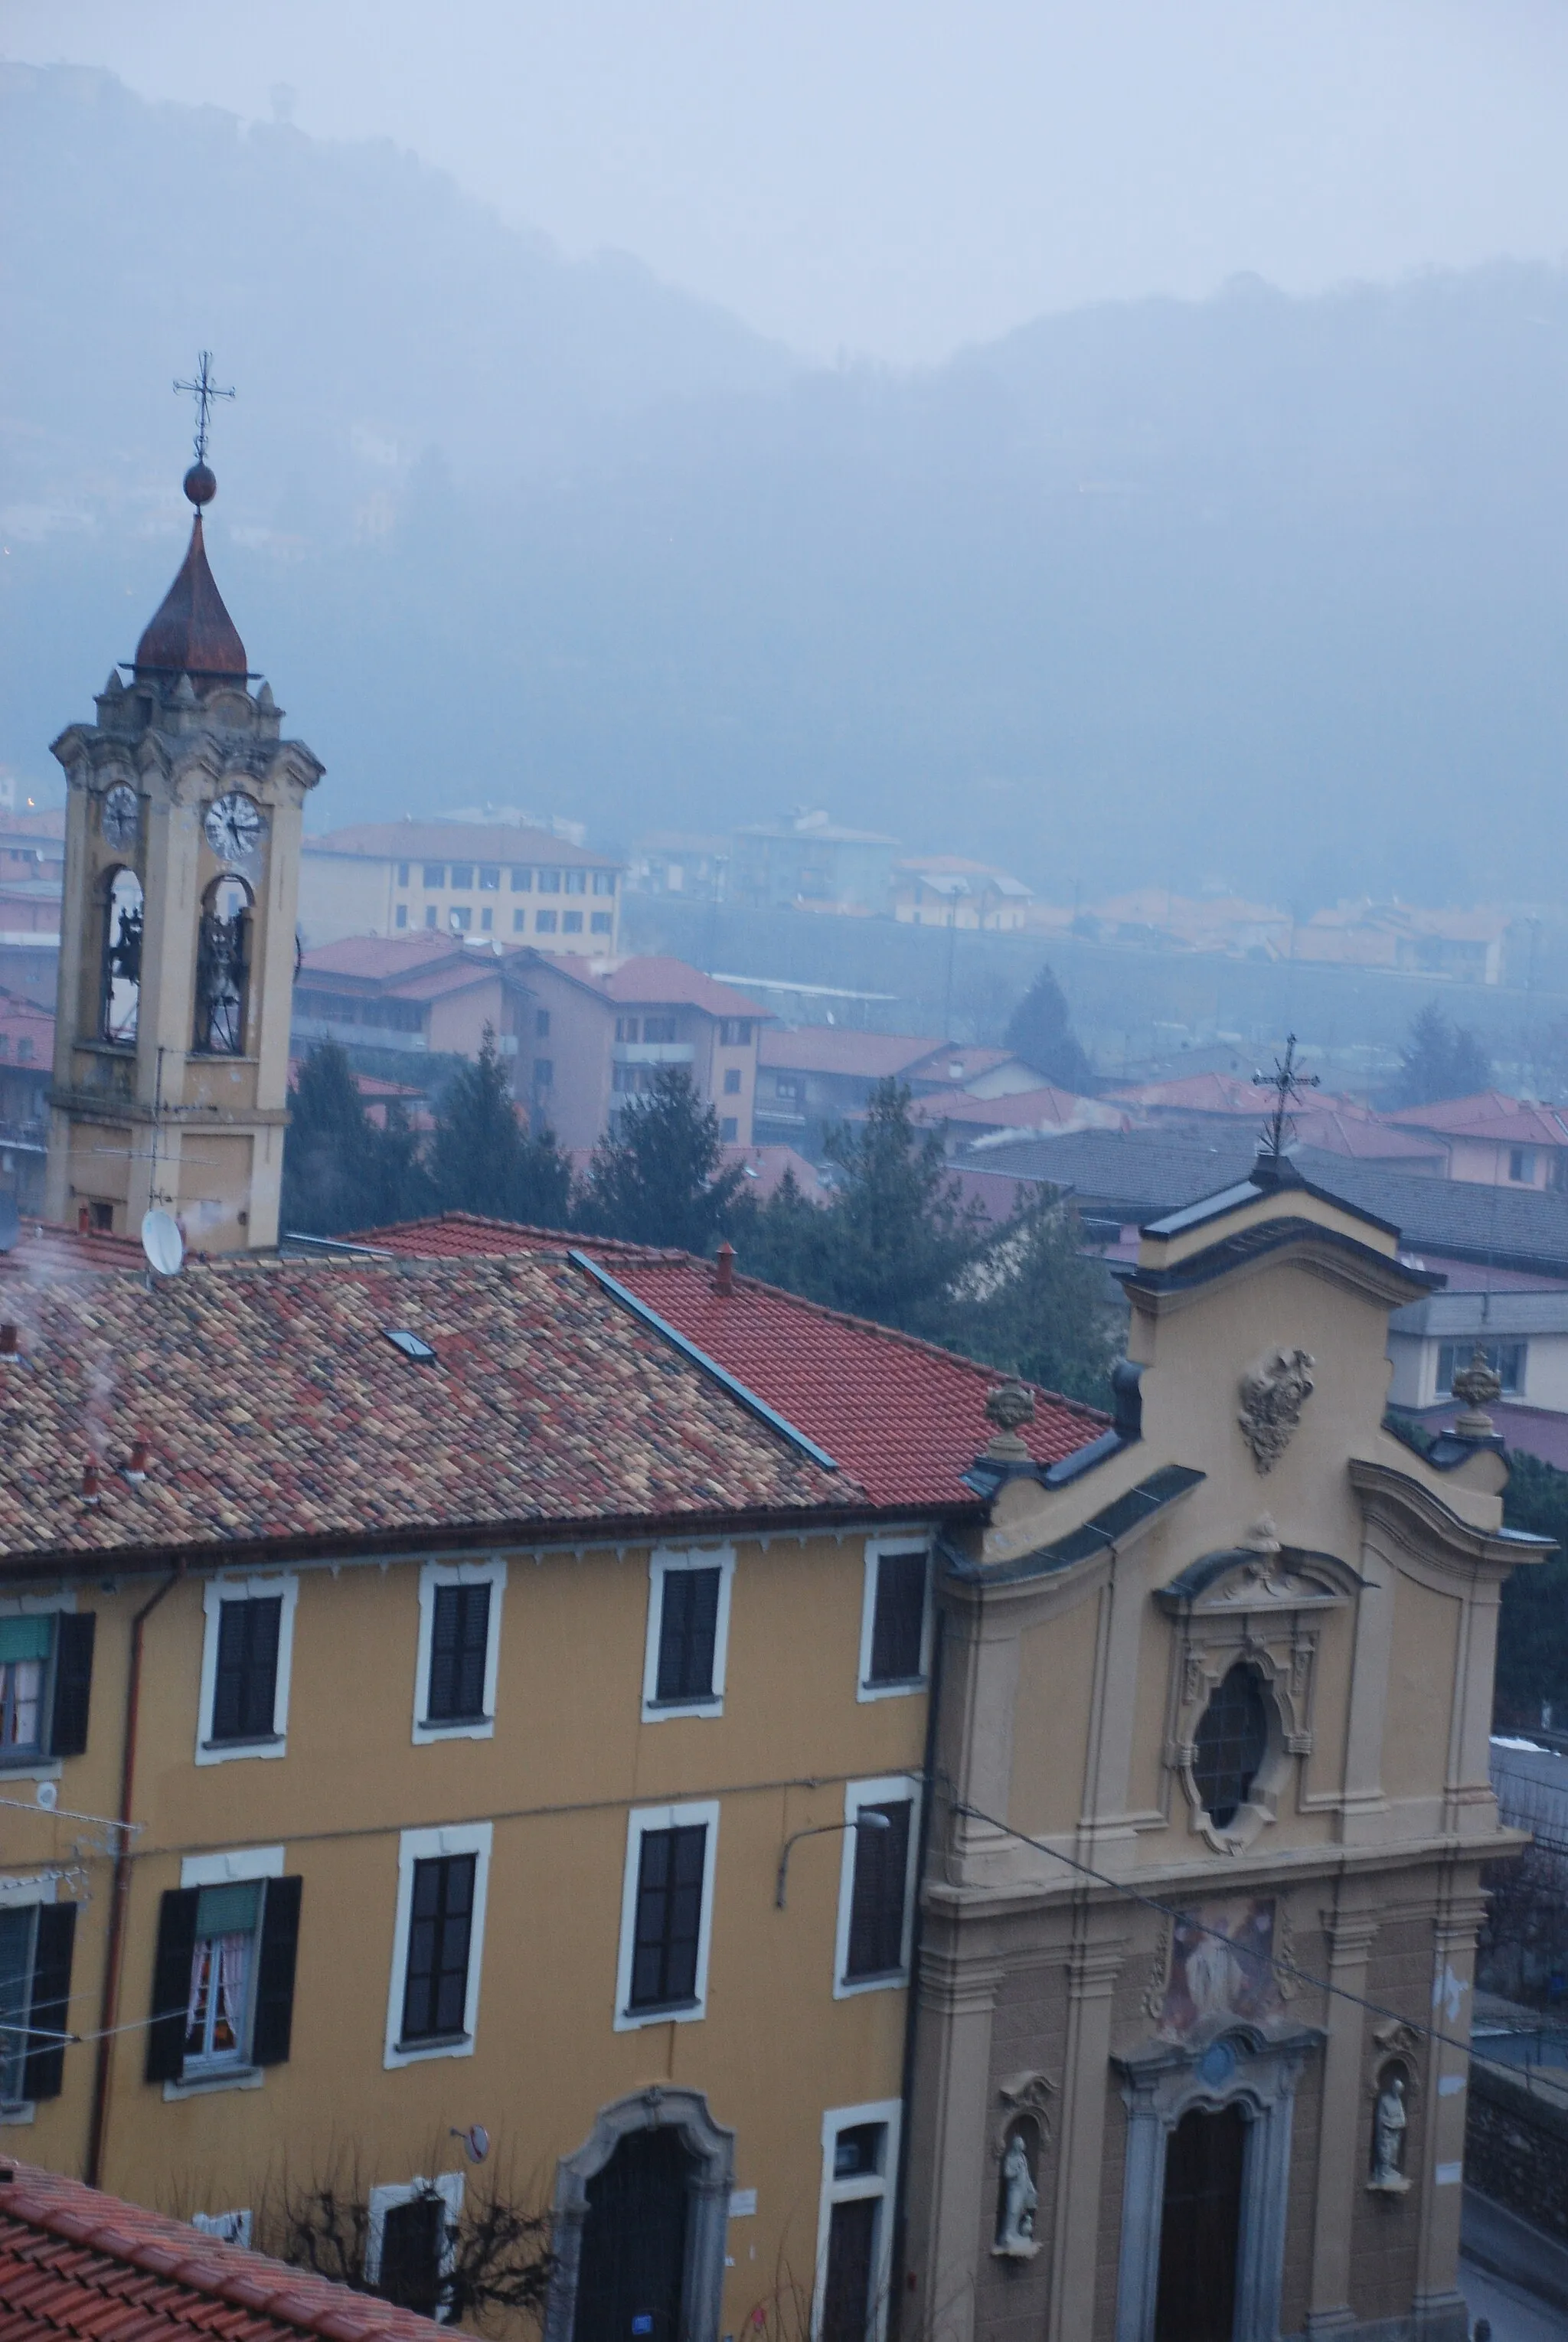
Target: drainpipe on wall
(899, 2275)
(120, 1893)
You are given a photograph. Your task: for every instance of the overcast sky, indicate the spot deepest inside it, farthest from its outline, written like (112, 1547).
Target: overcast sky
(895, 177)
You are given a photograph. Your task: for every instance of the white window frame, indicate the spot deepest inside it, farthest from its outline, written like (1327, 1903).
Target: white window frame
(865, 1690)
(664, 1562)
(894, 1788)
(881, 2184)
(234, 1868)
(251, 1589)
(435, 1575)
(25, 1894)
(639, 1822)
(425, 1846)
(449, 2185)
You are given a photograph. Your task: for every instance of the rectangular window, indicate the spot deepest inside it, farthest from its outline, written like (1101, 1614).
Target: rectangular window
(435, 874)
(577, 882)
(542, 1024)
(729, 1130)
(545, 922)
(688, 1633)
(461, 918)
(489, 878)
(1506, 1359)
(787, 1086)
(658, 1028)
(571, 923)
(732, 1081)
(486, 918)
(440, 1937)
(628, 1028)
(432, 2003)
(410, 2245)
(604, 882)
(521, 882)
(402, 874)
(459, 1650)
(403, 914)
(246, 1655)
(36, 1940)
(666, 1915)
(26, 1645)
(519, 922)
(549, 882)
(224, 1971)
(896, 1619)
(876, 1886)
(543, 1072)
(602, 923)
(855, 2227)
(735, 1032)
(462, 873)
(1521, 1163)
(432, 916)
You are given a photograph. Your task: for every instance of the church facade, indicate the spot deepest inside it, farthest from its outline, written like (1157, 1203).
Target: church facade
(1203, 1887)
(177, 933)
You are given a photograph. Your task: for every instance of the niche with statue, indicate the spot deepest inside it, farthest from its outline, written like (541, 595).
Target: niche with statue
(1019, 2149)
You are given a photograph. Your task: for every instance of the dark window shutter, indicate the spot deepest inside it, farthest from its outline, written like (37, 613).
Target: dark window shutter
(44, 2066)
(898, 1620)
(172, 1983)
(688, 1634)
(877, 1897)
(245, 1687)
(73, 1682)
(274, 1972)
(459, 1632)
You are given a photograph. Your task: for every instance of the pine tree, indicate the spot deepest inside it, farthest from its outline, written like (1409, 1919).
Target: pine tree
(657, 1176)
(480, 1159)
(1440, 1060)
(331, 1176)
(1040, 1031)
(1039, 1306)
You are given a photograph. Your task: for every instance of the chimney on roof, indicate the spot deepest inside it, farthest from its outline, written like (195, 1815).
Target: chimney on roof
(136, 1469)
(89, 1483)
(724, 1268)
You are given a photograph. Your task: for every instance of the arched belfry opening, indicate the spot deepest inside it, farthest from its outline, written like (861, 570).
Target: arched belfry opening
(185, 813)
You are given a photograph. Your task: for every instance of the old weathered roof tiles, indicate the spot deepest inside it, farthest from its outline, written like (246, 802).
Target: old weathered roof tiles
(76, 2263)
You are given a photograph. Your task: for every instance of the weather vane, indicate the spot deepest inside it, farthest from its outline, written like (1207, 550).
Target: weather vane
(1286, 1083)
(203, 390)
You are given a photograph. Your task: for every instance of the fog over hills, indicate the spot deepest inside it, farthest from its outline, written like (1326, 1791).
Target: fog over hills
(1260, 590)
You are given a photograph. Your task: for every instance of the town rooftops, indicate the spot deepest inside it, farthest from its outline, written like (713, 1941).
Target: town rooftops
(75, 2263)
(448, 841)
(1489, 1114)
(651, 980)
(903, 1416)
(837, 1049)
(43, 1253)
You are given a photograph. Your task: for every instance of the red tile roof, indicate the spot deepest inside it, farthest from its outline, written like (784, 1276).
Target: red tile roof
(835, 1049)
(904, 1417)
(76, 2263)
(1490, 1114)
(457, 841)
(43, 1252)
(651, 980)
(279, 1415)
(1046, 1108)
(375, 958)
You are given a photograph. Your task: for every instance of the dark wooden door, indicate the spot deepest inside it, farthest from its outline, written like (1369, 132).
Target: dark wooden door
(846, 2302)
(630, 2279)
(1200, 2227)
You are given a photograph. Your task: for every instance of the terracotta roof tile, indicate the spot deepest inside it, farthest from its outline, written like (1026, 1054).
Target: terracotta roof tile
(903, 1416)
(74, 2262)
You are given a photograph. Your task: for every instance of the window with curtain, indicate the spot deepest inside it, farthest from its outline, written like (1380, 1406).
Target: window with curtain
(218, 2006)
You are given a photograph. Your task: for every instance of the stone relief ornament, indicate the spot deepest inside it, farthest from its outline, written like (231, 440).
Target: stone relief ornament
(1025, 2094)
(1273, 1394)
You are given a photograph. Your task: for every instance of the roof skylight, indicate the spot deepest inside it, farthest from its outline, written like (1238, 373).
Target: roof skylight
(410, 1345)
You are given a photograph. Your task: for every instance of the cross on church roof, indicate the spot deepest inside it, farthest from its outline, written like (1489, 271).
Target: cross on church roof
(203, 390)
(1286, 1083)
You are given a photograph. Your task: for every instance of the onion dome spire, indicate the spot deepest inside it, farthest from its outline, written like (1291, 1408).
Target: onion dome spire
(191, 631)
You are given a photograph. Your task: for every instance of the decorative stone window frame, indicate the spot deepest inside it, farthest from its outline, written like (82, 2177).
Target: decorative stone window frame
(891, 1789)
(259, 1588)
(433, 1575)
(640, 1821)
(877, 1550)
(1259, 1607)
(713, 2150)
(1162, 2081)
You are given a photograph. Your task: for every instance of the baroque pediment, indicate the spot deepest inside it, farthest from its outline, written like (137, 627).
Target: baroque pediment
(1246, 1580)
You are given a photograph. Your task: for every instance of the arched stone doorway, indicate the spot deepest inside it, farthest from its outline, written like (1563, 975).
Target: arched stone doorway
(640, 2213)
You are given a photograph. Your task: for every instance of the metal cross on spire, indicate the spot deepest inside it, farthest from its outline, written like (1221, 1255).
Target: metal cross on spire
(203, 390)
(1286, 1083)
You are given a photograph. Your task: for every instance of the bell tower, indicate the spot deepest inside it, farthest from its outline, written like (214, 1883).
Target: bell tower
(177, 929)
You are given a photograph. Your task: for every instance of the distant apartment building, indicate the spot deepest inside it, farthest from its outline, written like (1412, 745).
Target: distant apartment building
(806, 862)
(942, 890)
(812, 1075)
(27, 1068)
(415, 994)
(32, 875)
(1466, 945)
(459, 878)
(672, 862)
(1500, 1141)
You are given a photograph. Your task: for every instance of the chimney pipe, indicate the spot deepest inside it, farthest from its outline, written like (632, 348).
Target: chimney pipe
(136, 1469)
(724, 1268)
(89, 1483)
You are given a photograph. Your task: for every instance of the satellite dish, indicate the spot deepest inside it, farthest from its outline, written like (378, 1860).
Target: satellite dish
(48, 1795)
(163, 1242)
(10, 1224)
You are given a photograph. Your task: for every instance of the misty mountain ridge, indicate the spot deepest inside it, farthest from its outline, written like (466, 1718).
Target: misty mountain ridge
(1258, 589)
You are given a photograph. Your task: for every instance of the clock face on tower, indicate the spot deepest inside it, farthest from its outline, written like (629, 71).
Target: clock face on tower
(122, 816)
(234, 827)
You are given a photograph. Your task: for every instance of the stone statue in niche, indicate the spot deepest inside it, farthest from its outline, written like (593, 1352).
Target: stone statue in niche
(1389, 2123)
(1020, 2200)
(1272, 1395)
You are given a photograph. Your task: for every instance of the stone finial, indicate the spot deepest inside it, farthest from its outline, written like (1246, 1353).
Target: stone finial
(1480, 1386)
(1008, 1406)
(1263, 1536)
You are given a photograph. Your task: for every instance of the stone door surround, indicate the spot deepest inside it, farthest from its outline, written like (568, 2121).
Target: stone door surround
(713, 2150)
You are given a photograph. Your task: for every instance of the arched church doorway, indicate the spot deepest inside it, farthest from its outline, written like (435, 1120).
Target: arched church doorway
(631, 2278)
(1201, 2227)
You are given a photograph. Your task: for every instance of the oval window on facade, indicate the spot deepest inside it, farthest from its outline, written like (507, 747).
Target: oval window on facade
(1231, 1742)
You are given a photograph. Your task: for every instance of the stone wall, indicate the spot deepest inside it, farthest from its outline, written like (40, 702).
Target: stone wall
(1516, 2148)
